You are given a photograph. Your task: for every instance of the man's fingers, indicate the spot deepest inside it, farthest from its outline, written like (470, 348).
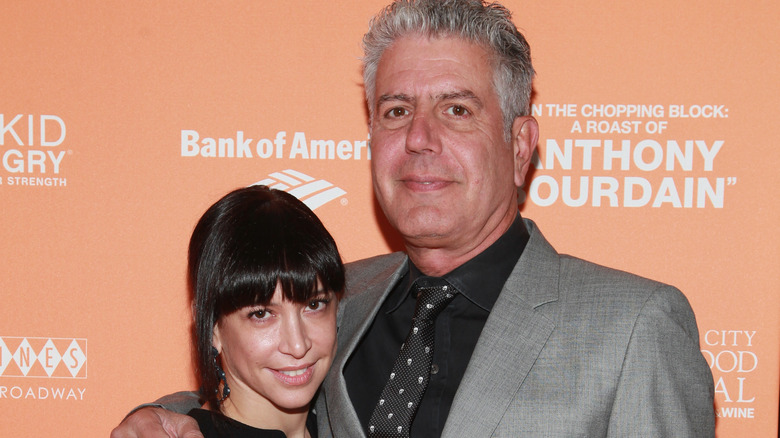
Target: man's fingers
(179, 426)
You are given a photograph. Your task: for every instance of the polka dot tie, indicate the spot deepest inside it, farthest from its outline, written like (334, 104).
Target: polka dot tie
(394, 412)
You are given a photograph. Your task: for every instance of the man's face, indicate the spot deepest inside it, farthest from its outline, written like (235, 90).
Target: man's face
(443, 170)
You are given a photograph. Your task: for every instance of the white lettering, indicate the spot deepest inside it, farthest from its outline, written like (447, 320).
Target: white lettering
(535, 190)
(709, 154)
(326, 149)
(583, 197)
(242, 145)
(605, 186)
(299, 146)
(737, 412)
(720, 388)
(646, 155)
(628, 192)
(623, 154)
(279, 143)
(57, 142)
(554, 151)
(741, 398)
(189, 143)
(10, 129)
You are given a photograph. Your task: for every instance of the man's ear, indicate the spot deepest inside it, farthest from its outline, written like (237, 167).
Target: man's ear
(525, 134)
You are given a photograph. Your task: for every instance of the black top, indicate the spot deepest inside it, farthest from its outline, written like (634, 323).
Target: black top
(458, 327)
(216, 425)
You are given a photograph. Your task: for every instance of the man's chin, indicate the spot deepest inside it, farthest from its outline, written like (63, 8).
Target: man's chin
(426, 238)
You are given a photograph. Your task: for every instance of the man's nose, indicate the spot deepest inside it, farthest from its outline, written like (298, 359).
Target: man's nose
(423, 135)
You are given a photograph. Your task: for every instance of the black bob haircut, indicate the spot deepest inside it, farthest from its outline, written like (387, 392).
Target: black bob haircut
(242, 247)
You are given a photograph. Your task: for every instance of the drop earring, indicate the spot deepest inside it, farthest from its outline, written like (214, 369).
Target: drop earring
(221, 381)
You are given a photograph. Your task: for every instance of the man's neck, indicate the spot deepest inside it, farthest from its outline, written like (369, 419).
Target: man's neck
(437, 261)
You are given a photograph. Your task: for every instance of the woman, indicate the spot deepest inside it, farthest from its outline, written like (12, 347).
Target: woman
(265, 277)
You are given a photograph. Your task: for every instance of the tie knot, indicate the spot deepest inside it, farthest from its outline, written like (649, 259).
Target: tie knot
(433, 295)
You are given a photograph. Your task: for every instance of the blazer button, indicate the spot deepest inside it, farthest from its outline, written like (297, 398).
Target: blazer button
(434, 369)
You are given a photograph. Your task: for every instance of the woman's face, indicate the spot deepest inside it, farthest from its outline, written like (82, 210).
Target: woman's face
(276, 356)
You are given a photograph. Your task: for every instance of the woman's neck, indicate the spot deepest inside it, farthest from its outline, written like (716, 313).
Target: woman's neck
(267, 416)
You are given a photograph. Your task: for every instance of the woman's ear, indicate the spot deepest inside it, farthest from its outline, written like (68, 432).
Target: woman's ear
(216, 341)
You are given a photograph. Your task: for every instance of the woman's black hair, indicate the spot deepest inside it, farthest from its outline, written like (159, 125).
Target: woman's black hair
(243, 246)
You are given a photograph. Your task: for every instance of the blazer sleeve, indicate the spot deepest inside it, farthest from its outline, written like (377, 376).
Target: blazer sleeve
(178, 402)
(665, 386)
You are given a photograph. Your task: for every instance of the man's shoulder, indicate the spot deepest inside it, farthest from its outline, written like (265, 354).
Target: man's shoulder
(570, 272)
(586, 284)
(572, 290)
(369, 267)
(372, 270)
(581, 271)
(378, 260)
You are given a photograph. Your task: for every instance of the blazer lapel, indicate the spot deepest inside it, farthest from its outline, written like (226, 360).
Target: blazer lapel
(368, 288)
(509, 344)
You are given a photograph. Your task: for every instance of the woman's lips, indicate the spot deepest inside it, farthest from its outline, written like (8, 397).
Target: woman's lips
(294, 376)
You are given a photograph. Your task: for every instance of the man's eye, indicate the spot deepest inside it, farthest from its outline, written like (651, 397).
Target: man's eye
(458, 110)
(397, 112)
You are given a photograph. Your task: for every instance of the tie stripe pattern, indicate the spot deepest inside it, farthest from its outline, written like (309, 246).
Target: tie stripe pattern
(395, 410)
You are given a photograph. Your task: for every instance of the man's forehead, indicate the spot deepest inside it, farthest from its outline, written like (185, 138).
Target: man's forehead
(409, 73)
(420, 46)
(448, 65)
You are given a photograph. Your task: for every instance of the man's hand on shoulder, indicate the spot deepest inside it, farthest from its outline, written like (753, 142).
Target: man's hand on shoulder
(153, 422)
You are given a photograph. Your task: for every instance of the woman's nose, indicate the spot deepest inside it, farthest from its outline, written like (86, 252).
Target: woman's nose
(294, 338)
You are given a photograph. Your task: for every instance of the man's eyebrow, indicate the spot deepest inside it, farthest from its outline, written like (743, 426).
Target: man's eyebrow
(458, 95)
(394, 98)
(454, 95)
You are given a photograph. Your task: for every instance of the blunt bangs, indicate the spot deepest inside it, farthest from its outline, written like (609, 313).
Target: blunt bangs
(285, 254)
(253, 245)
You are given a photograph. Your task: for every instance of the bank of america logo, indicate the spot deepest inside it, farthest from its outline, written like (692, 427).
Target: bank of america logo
(313, 192)
(43, 357)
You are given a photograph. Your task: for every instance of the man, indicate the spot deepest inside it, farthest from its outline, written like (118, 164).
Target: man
(533, 343)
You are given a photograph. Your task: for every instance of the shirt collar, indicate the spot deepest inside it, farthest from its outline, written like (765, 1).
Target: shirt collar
(480, 279)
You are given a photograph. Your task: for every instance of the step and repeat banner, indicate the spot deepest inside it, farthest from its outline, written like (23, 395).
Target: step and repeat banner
(121, 122)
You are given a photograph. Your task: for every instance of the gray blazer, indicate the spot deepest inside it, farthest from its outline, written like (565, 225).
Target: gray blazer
(570, 349)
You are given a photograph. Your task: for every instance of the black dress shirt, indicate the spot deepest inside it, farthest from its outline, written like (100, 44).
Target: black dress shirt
(458, 327)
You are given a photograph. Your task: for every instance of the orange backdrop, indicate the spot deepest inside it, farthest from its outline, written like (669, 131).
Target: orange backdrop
(120, 122)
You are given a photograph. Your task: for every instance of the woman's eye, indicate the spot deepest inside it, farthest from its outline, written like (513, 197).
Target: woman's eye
(260, 314)
(317, 304)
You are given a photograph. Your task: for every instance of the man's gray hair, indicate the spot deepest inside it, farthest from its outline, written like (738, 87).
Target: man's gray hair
(488, 25)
